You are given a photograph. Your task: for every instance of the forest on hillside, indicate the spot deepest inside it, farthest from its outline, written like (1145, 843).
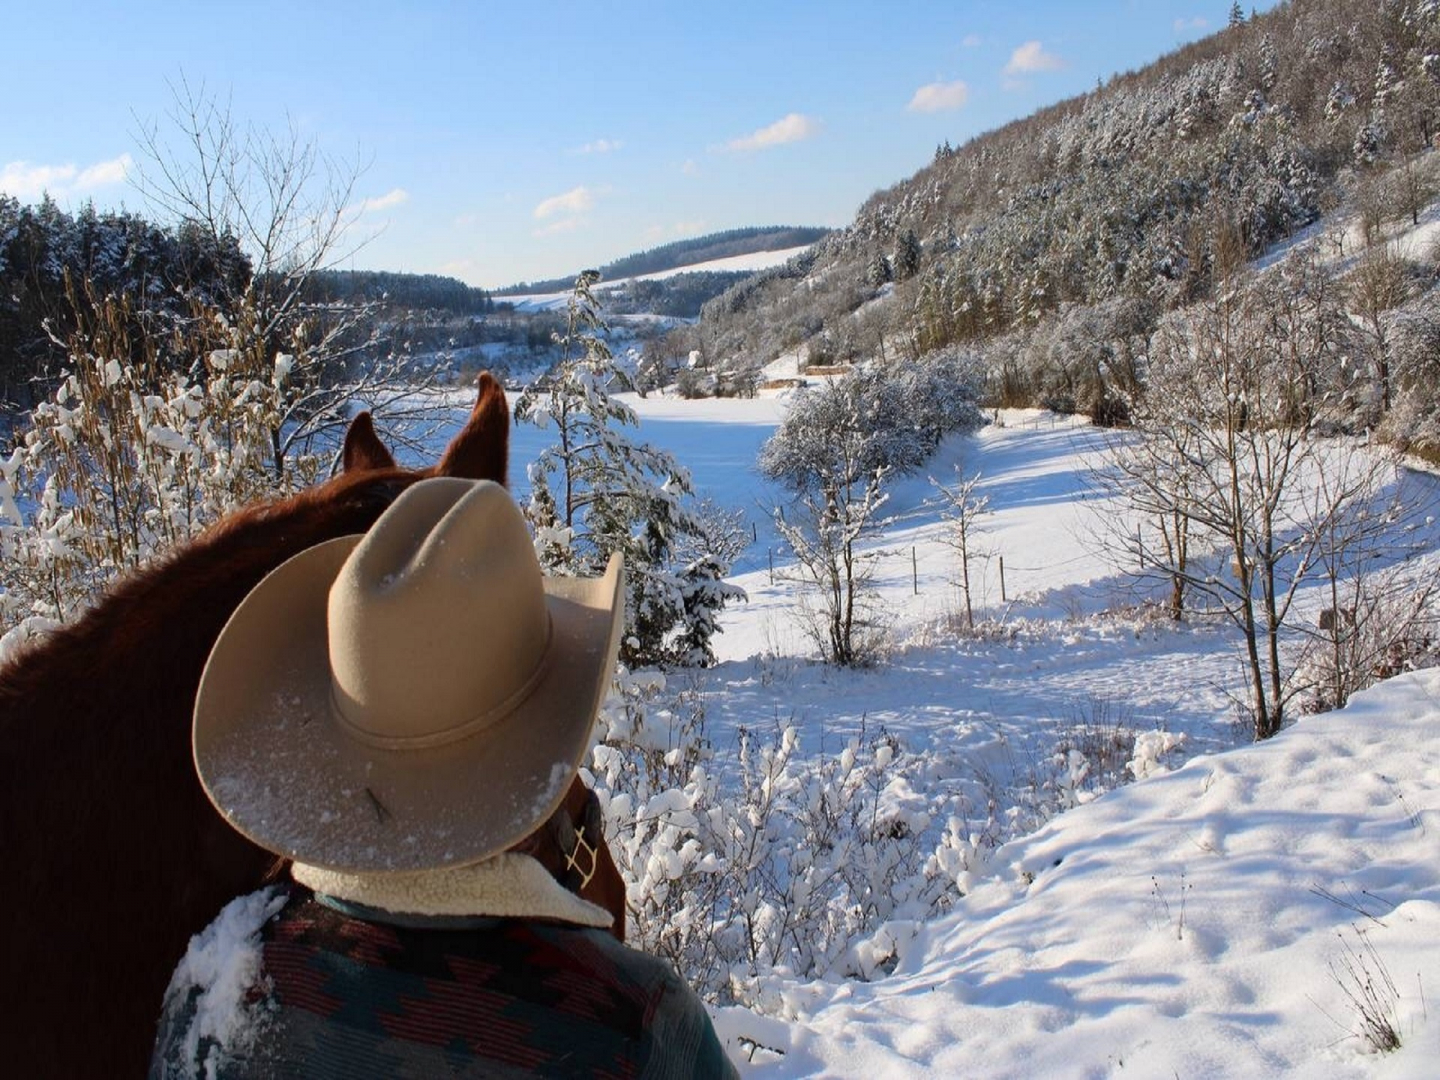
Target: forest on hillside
(54, 265)
(1055, 245)
(59, 269)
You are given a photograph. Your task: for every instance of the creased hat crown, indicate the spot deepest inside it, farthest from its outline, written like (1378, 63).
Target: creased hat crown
(439, 626)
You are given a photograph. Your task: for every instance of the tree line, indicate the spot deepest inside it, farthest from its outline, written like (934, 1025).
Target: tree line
(53, 264)
(392, 290)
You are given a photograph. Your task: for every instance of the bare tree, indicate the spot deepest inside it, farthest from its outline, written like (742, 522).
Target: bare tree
(1159, 545)
(826, 453)
(291, 209)
(962, 508)
(1378, 613)
(1379, 284)
(1227, 451)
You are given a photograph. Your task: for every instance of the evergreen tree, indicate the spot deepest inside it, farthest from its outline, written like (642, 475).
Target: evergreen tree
(878, 272)
(907, 256)
(596, 491)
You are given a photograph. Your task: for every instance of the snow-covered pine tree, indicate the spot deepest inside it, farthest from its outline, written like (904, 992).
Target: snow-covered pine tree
(597, 491)
(906, 262)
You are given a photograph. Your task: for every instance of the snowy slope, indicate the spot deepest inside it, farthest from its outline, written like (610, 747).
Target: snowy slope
(1178, 926)
(755, 260)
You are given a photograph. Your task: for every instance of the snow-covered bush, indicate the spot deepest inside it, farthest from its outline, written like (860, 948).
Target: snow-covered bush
(791, 873)
(127, 458)
(833, 451)
(813, 865)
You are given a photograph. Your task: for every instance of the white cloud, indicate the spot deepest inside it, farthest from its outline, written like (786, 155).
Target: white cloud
(971, 41)
(1185, 26)
(939, 97)
(26, 181)
(575, 201)
(691, 167)
(104, 173)
(795, 127)
(393, 197)
(564, 225)
(600, 146)
(1032, 57)
(678, 230)
(459, 268)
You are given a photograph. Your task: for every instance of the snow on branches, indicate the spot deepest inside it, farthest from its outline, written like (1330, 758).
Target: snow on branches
(596, 491)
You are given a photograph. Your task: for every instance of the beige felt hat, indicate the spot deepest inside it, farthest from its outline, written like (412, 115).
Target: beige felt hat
(414, 698)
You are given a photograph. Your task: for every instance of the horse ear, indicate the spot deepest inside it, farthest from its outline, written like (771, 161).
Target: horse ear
(482, 449)
(363, 448)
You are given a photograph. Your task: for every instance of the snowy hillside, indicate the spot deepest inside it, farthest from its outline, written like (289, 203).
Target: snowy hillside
(1196, 923)
(758, 260)
(1208, 922)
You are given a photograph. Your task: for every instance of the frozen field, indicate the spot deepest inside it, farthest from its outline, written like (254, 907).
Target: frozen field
(1198, 922)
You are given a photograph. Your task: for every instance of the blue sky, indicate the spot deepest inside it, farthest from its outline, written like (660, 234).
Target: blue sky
(525, 140)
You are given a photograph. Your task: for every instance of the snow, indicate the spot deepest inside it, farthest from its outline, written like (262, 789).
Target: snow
(222, 963)
(1176, 926)
(1196, 922)
(750, 263)
(1339, 237)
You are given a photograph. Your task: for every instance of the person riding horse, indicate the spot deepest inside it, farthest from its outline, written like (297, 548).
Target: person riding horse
(403, 714)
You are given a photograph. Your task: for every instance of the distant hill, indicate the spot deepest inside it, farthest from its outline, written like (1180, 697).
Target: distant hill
(681, 253)
(413, 292)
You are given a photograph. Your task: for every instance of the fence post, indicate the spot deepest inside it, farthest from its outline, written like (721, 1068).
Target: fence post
(1003, 598)
(914, 574)
(770, 552)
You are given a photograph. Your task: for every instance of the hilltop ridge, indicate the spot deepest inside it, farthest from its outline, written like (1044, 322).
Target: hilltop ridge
(683, 253)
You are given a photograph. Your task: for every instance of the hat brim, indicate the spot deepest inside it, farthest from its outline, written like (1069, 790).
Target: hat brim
(277, 764)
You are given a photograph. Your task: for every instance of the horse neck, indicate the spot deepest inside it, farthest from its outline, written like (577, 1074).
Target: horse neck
(146, 643)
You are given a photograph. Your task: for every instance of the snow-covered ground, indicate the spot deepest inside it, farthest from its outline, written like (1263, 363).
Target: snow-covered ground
(1223, 915)
(1195, 923)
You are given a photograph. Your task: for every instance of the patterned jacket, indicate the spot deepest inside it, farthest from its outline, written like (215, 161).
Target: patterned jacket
(348, 991)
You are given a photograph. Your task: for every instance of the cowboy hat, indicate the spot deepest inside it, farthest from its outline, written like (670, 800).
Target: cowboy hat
(415, 698)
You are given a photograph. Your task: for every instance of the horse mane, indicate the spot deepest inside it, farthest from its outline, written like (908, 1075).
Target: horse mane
(113, 855)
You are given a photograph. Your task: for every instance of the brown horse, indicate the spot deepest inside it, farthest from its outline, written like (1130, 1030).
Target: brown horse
(112, 855)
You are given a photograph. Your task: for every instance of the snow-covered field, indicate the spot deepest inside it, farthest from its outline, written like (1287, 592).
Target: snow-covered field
(1238, 910)
(1198, 922)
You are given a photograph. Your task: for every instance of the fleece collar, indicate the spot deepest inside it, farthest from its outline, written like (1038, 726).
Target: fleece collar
(510, 885)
